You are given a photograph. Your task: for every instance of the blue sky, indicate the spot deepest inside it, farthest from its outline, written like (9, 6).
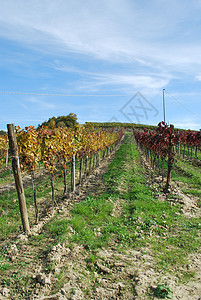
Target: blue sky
(102, 60)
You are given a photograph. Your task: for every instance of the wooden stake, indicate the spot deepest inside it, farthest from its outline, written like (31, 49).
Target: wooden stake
(17, 175)
(65, 179)
(7, 159)
(86, 164)
(53, 192)
(35, 198)
(80, 175)
(73, 174)
(170, 162)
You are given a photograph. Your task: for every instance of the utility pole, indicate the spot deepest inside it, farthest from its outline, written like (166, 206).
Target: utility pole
(164, 105)
(17, 175)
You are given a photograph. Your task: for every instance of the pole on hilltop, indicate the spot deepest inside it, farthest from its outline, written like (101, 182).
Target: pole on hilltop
(164, 105)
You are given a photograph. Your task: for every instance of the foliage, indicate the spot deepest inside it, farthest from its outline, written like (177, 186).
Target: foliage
(157, 140)
(3, 148)
(190, 138)
(28, 147)
(163, 291)
(2, 132)
(59, 144)
(69, 121)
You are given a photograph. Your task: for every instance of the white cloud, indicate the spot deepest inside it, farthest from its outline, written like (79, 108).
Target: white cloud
(187, 122)
(198, 77)
(124, 31)
(188, 125)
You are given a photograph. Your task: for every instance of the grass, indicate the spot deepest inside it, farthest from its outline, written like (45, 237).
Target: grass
(192, 173)
(6, 176)
(9, 206)
(20, 284)
(187, 153)
(190, 177)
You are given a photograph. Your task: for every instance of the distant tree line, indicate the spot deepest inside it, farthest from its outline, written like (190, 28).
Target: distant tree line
(2, 132)
(69, 121)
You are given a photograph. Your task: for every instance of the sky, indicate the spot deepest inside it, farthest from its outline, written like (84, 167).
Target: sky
(117, 60)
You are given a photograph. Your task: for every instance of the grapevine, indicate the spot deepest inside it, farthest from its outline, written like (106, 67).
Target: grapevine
(160, 142)
(3, 148)
(191, 140)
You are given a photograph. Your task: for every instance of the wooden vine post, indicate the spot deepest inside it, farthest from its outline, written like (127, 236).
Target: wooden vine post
(80, 173)
(73, 174)
(18, 178)
(179, 145)
(170, 159)
(73, 168)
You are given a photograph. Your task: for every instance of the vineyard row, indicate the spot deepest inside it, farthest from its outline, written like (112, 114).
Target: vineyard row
(162, 143)
(57, 148)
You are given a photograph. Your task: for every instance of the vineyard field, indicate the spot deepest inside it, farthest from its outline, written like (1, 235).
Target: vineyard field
(119, 235)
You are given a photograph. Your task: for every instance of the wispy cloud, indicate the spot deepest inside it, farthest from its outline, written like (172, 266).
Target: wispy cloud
(41, 104)
(116, 30)
(124, 83)
(34, 103)
(198, 77)
(187, 125)
(128, 80)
